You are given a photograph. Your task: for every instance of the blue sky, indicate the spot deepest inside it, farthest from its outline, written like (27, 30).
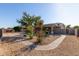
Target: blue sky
(50, 13)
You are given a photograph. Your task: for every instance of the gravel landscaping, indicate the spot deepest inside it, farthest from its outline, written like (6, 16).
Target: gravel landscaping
(46, 40)
(69, 47)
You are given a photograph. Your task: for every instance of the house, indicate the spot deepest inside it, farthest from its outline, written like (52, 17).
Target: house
(7, 30)
(55, 28)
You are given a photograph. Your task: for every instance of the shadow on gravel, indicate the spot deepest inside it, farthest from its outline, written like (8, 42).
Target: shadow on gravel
(11, 39)
(29, 48)
(26, 49)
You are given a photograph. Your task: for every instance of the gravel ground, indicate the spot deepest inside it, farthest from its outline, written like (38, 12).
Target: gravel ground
(10, 47)
(49, 39)
(69, 47)
(46, 40)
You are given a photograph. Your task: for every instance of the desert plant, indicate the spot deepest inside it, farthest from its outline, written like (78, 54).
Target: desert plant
(39, 31)
(30, 31)
(29, 23)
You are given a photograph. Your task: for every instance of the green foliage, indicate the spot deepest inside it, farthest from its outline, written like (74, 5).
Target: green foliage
(46, 31)
(28, 20)
(40, 32)
(30, 31)
(76, 27)
(29, 23)
(25, 20)
(30, 28)
(17, 28)
(68, 26)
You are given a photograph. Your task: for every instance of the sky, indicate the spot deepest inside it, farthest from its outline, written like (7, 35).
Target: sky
(67, 13)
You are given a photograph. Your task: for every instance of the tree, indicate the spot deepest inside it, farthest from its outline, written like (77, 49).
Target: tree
(76, 27)
(68, 26)
(39, 31)
(17, 28)
(29, 23)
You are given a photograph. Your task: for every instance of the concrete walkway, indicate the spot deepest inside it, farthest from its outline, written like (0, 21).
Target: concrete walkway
(50, 46)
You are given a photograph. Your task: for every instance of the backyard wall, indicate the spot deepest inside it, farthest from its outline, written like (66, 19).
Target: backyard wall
(59, 31)
(70, 31)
